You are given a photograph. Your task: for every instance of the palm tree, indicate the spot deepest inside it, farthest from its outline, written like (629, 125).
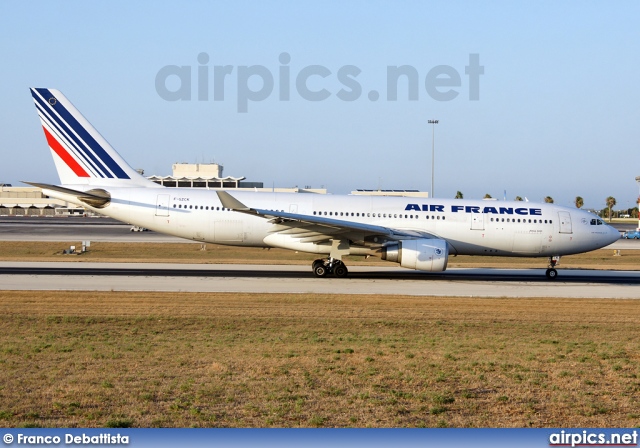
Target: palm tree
(579, 202)
(487, 196)
(459, 195)
(518, 198)
(611, 201)
(548, 200)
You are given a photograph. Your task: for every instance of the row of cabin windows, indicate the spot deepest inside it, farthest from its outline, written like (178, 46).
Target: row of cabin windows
(206, 207)
(374, 215)
(201, 207)
(534, 221)
(370, 215)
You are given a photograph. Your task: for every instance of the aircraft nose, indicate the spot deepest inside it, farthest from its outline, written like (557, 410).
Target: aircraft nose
(614, 234)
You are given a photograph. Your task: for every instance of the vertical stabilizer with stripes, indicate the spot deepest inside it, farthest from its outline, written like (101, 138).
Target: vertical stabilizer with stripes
(82, 156)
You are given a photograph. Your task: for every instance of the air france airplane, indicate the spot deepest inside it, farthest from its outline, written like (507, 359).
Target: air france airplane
(418, 234)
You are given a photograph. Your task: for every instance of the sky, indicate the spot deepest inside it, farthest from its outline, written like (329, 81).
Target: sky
(532, 98)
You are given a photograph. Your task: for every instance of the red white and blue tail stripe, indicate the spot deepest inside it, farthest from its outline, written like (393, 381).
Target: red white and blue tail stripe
(81, 154)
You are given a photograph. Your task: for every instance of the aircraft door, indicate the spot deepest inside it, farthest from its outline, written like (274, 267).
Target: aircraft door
(162, 205)
(477, 221)
(293, 208)
(565, 222)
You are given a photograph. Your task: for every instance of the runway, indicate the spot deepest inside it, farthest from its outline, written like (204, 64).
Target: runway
(73, 276)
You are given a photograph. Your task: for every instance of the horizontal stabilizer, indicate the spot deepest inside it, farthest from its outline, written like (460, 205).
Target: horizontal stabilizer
(96, 197)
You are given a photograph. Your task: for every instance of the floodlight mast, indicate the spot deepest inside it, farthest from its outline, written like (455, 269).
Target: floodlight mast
(638, 181)
(433, 124)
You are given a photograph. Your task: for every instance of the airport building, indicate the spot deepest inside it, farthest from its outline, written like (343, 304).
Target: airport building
(29, 201)
(22, 201)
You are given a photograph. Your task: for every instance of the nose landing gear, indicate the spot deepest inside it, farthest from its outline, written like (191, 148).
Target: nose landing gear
(551, 271)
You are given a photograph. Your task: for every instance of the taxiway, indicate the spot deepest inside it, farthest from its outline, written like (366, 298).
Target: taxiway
(299, 279)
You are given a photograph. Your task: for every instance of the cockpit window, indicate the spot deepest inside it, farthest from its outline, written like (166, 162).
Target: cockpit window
(593, 221)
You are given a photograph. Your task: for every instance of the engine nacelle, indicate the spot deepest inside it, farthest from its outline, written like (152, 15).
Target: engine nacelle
(422, 254)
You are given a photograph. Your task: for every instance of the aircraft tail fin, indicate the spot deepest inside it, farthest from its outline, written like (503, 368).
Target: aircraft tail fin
(81, 155)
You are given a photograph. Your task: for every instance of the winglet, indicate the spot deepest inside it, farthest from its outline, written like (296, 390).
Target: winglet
(231, 203)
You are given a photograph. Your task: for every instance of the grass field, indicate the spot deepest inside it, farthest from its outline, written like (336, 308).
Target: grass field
(255, 360)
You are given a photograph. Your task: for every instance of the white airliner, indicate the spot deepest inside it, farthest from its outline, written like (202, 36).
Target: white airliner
(416, 233)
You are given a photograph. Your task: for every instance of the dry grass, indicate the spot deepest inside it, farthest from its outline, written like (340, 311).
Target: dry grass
(191, 253)
(249, 360)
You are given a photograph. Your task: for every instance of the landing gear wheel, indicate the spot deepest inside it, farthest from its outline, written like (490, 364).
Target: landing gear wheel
(320, 270)
(340, 270)
(316, 264)
(552, 274)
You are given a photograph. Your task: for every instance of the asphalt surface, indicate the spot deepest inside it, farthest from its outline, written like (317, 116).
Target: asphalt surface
(516, 283)
(580, 276)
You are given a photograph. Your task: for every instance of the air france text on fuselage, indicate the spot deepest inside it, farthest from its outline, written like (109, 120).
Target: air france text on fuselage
(476, 209)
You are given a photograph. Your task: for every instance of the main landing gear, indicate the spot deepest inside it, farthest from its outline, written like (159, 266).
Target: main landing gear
(325, 267)
(551, 271)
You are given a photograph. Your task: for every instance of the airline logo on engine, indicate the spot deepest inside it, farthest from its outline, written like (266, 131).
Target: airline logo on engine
(476, 209)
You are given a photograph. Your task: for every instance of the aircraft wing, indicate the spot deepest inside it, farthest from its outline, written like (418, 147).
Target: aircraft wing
(318, 228)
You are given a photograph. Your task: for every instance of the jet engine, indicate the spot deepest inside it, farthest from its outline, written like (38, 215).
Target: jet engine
(420, 254)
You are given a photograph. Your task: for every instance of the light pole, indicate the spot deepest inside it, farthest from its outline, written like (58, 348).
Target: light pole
(433, 124)
(638, 181)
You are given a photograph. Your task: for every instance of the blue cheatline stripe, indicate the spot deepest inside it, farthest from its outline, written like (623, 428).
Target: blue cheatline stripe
(82, 132)
(59, 133)
(83, 151)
